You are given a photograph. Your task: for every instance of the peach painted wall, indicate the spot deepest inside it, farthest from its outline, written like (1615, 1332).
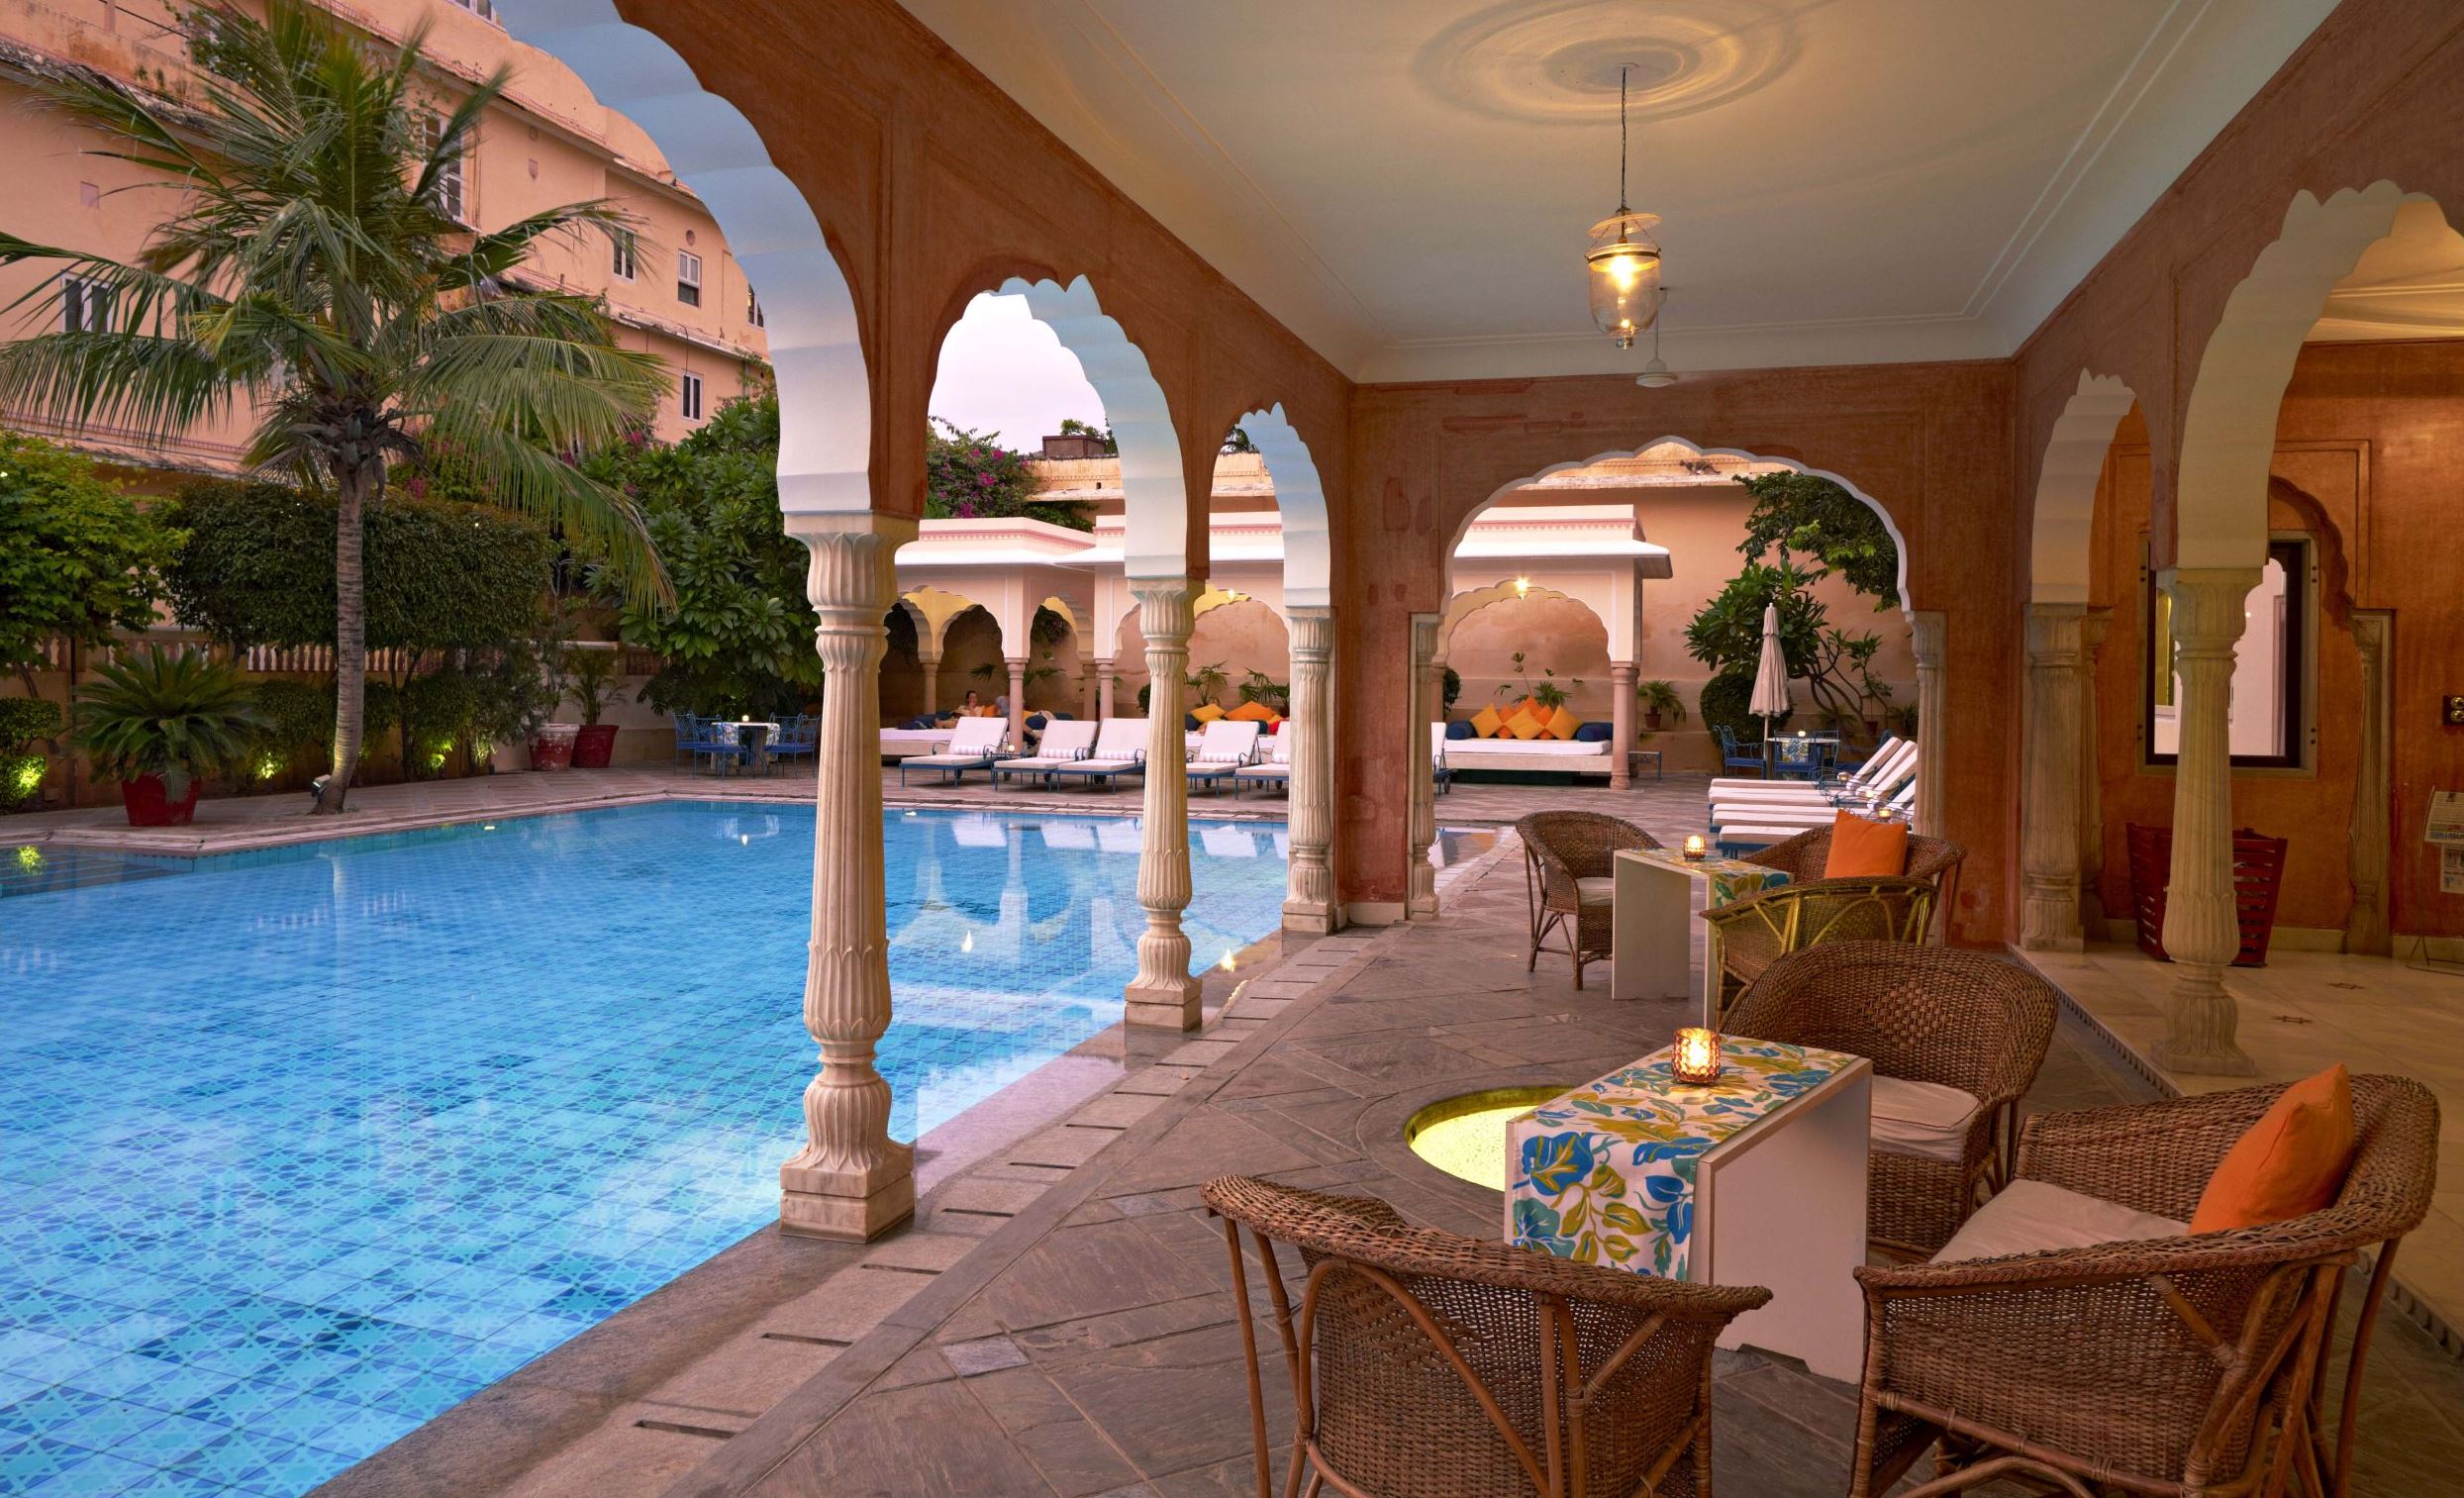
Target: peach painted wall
(2373, 434)
(1240, 636)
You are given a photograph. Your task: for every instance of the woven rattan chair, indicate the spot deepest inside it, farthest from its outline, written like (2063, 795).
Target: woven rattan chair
(1427, 1364)
(1567, 855)
(2170, 1366)
(1923, 1014)
(1805, 855)
(1749, 933)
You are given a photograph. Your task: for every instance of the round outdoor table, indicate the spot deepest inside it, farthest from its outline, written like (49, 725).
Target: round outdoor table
(757, 747)
(1771, 743)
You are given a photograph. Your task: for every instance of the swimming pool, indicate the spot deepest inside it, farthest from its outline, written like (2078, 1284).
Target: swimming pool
(303, 1147)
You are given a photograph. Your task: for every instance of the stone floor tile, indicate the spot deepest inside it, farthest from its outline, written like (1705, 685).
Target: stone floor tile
(933, 1439)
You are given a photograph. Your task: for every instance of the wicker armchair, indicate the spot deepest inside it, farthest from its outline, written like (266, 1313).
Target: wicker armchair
(1805, 855)
(2169, 1365)
(1561, 852)
(1750, 934)
(1923, 1014)
(1427, 1364)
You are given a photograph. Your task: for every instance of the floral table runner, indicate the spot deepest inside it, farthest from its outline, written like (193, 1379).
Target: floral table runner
(1605, 1174)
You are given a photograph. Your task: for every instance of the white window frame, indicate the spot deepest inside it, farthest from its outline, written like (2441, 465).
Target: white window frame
(688, 278)
(689, 395)
(453, 187)
(485, 9)
(626, 258)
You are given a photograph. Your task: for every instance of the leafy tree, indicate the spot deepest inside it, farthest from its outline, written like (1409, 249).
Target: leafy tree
(77, 558)
(1836, 667)
(737, 634)
(968, 476)
(313, 270)
(1072, 427)
(1802, 513)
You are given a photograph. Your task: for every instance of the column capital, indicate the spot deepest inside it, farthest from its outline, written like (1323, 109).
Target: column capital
(2208, 605)
(1164, 607)
(2053, 635)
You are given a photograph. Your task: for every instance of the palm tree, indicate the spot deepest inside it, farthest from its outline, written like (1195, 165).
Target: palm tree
(314, 268)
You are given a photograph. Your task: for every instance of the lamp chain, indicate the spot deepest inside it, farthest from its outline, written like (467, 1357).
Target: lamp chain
(1622, 207)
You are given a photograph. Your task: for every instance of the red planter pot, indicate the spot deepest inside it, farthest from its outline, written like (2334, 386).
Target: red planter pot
(594, 746)
(552, 753)
(149, 805)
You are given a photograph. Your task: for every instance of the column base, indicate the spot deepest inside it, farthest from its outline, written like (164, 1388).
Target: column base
(1308, 918)
(1167, 1005)
(2200, 1020)
(847, 1207)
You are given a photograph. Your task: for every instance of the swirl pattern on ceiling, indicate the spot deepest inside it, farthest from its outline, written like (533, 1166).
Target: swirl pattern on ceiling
(1556, 63)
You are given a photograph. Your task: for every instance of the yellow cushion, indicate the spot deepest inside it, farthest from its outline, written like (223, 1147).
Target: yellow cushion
(1251, 712)
(1208, 711)
(1562, 724)
(2290, 1163)
(1486, 723)
(1861, 850)
(1527, 726)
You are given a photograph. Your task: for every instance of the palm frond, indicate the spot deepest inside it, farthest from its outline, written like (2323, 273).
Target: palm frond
(596, 518)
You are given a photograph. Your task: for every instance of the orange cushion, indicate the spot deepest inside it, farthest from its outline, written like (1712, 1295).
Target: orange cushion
(1562, 724)
(1251, 712)
(1486, 723)
(2290, 1163)
(1525, 726)
(1507, 721)
(1863, 849)
(1207, 712)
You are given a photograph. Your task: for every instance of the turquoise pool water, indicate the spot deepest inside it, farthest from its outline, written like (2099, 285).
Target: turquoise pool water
(301, 1147)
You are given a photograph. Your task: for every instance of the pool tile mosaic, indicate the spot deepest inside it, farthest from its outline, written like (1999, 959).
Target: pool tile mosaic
(304, 1146)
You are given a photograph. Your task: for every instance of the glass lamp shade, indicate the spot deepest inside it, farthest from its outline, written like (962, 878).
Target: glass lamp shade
(1625, 265)
(1696, 1055)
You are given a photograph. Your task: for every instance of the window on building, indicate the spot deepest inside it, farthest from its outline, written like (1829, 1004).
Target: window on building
(451, 197)
(689, 396)
(84, 305)
(688, 279)
(485, 9)
(628, 260)
(2269, 722)
(753, 309)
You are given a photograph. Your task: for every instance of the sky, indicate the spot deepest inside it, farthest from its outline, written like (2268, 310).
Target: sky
(1003, 372)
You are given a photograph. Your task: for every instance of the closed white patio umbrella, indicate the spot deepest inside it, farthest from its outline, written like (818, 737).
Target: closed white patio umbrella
(1771, 674)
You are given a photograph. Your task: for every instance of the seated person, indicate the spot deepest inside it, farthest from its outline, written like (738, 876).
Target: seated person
(970, 706)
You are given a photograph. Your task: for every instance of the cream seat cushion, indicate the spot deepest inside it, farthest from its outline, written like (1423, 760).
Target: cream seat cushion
(1600, 890)
(1924, 1118)
(2028, 1217)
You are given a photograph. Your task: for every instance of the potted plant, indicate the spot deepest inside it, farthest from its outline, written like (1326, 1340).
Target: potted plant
(1206, 684)
(159, 724)
(592, 671)
(551, 743)
(1660, 700)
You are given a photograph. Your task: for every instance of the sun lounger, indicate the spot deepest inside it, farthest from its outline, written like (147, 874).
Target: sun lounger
(974, 745)
(1885, 760)
(1890, 782)
(1120, 749)
(1273, 767)
(1225, 748)
(1065, 743)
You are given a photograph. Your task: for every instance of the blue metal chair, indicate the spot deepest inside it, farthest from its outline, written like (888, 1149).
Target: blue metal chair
(716, 739)
(797, 739)
(1733, 758)
(688, 731)
(1796, 759)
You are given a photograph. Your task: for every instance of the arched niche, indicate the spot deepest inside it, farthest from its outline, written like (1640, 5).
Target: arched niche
(2066, 482)
(815, 346)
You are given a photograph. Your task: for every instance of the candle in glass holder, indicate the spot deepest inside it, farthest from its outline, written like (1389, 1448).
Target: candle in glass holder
(1694, 847)
(1696, 1056)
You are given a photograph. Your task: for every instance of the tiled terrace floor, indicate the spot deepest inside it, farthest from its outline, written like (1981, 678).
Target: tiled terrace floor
(1087, 1345)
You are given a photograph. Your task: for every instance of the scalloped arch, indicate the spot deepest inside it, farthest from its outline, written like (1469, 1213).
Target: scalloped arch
(1471, 601)
(1301, 500)
(1884, 515)
(2057, 541)
(824, 455)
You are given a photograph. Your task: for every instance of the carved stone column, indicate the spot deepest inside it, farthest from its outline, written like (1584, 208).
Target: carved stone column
(1421, 903)
(2091, 627)
(1107, 687)
(2366, 924)
(1164, 993)
(1017, 702)
(2202, 931)
(1089, 691)
(932, 669)
(1621, 674)
(1308, 894)
(851, 1180)
(1925, 630)
(2049, 800)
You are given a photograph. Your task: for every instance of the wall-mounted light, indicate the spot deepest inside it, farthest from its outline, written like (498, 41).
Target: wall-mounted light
(1522, 587)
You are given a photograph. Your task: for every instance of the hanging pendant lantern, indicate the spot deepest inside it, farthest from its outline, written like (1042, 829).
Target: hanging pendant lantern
(1624, 260)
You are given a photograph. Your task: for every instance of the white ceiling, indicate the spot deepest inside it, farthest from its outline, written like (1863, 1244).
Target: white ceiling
(1406, 183)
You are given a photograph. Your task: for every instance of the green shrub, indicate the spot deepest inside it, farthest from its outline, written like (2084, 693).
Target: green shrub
(298, 715)
(77, 558)
(21, 779)
(1725, 700)
(23, 720)
(177, 713)
(437, 714)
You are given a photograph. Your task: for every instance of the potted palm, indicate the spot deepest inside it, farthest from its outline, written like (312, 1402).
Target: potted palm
(162, 722)
(592, 671)
(1660, 700)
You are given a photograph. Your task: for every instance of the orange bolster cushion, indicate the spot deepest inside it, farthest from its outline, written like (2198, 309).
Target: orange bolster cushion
(1251, 712)
(2288, 1164)
(1864, 850)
